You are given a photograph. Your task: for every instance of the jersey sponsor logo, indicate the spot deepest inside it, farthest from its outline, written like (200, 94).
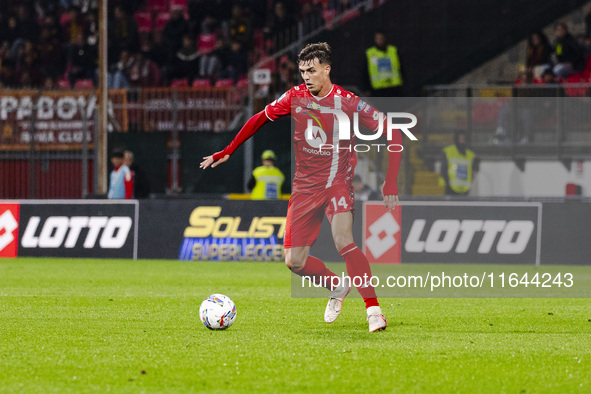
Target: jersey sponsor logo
(315, 137)
(9, 214)
(63, 231)
(509, 237)
(281, 97)
(361, 105)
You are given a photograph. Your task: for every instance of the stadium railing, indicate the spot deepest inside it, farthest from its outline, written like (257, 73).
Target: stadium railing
(46, 137)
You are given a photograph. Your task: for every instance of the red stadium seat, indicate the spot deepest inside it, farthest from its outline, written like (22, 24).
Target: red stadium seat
(178, 4)
(161, 20)
(63, 84)
(206, 43)
(144, 22)
(201, 83)
(158, 5)
(180, 83)
(224, 83)
(84, 84)
(576, 91)
(242, 83)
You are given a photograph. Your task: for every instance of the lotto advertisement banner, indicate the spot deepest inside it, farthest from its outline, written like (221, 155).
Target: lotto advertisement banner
(69, 228)
(448, 232)
(57, 115)
(213, 230)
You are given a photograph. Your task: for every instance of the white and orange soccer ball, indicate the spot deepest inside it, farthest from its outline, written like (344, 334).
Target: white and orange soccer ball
(217, 312)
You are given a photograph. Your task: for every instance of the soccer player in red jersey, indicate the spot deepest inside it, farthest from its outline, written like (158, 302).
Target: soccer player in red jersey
(322, 183)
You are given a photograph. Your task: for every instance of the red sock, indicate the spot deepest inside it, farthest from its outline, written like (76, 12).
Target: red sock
(315, 269)
(358, 266)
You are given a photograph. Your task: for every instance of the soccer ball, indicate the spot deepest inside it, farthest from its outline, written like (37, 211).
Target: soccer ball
(217, 312)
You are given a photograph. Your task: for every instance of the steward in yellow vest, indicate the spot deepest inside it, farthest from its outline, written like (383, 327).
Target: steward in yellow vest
(266, 180)
(458, 166)
(383, 67)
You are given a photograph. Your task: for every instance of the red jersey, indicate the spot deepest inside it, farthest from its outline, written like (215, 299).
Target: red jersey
(322, 158)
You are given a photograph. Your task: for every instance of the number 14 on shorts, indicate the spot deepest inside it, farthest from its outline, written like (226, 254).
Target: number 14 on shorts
(341, 203)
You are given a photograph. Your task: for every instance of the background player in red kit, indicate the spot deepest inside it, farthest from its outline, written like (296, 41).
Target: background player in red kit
(322, 183)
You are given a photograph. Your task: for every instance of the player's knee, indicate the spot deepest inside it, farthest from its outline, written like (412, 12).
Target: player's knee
(294, 263)
(342, 240)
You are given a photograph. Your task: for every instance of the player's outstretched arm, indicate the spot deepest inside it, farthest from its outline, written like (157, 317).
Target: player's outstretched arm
(247, 131)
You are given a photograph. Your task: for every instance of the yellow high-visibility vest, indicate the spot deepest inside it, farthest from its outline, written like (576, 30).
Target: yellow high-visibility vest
(459, 168)
(269, 181)
(384, 67)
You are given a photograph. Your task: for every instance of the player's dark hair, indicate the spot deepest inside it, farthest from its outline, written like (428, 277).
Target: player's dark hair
(319, 50)
(117, 153)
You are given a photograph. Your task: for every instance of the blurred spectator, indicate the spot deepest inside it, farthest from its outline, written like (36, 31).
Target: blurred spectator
(121, 179)
(92, 30)
(280, 25)
(143, 72)
(539, 53)
(51, 53)
(212, 64)
(159, 53)
(141, 185)
(12, 33)
(48, 84)
(28, 73)
(119, 77)
(240, 26)
(548, 77)
(175, 29)
(7, 74)
(123, 33)
(458, 165)
(568, 57)
(217, 14)
(82, 60)
(584, 42)
(28, 28)
(74, 27)
(362, 191)
(383, 68)
(237, 62)
(186, 61)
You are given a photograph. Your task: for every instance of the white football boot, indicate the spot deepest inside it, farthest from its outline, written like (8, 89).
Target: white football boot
(376, 319)
(335, 301)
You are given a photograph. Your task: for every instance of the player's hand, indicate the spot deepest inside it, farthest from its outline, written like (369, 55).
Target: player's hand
(391, 201)
(208, 160)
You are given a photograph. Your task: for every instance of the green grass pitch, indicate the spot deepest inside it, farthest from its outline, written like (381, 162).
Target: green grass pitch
(124, 326)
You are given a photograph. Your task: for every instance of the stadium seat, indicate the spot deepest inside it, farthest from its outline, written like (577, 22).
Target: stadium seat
(576, 91)
(161, 20)
(180, 83)
(201, 83)
(144, 21)
(158, 6)
(178, 4)
(63, 84)
(224, 83)
(84, 84)
(242, 83)
(206, 43)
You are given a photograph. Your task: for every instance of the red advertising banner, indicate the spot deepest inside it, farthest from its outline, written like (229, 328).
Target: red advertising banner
(9, 217)
(381, 233)
(57, 117)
